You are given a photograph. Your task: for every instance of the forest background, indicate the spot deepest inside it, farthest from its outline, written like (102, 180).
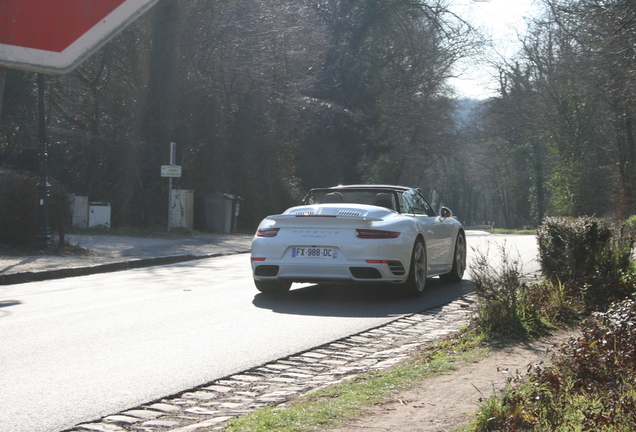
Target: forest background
(267, 99)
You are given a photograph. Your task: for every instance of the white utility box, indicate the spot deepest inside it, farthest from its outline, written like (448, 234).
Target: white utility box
(80, 211)
(99, 214)
(182, 210)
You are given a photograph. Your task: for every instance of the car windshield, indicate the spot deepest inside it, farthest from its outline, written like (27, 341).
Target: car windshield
(402, 201)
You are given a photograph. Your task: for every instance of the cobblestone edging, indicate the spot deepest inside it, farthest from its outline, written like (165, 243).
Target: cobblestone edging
(211, 405)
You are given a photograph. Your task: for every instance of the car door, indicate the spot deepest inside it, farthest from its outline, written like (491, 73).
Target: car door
(431, 225)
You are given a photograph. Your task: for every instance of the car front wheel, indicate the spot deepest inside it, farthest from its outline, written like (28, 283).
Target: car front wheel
(459, 261)
(418, 272)
(272, 287)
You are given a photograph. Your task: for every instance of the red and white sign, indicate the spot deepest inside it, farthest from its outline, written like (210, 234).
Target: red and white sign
(54, 36)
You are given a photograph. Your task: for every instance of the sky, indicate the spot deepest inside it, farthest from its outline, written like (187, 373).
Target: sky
(502, 20)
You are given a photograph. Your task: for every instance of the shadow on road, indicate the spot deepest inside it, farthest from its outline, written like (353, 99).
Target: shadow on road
(5, 304)
(362, 301)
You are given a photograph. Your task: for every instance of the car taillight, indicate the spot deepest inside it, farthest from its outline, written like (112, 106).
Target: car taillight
(376, 234)
(267, 232)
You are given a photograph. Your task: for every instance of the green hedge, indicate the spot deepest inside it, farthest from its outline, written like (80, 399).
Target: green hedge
(577, 248)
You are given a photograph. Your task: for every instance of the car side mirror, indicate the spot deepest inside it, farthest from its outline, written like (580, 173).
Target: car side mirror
(446, 212)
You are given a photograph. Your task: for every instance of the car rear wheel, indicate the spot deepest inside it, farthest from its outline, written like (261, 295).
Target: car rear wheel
(272, 287)
(418, 271)
(459, 261)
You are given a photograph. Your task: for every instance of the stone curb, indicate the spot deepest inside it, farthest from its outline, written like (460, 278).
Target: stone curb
(127, 264)
(210, 406)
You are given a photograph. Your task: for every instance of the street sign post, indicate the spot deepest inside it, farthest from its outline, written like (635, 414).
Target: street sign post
(3, 72)
(171, 171)
(55, 36)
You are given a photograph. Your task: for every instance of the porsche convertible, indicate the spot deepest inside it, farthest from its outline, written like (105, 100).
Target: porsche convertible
(360, 234)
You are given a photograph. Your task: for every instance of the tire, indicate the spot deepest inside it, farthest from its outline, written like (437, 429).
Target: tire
(272, 287)
(459, 261)
(418, 270)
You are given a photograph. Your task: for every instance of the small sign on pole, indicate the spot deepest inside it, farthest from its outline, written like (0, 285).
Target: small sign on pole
(170, 170)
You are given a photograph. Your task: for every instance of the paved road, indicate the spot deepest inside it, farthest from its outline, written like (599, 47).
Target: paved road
(517, 247)
(77, 349)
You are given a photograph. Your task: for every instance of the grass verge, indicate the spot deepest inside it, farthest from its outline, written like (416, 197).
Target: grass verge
(514, 231)
(341, 402)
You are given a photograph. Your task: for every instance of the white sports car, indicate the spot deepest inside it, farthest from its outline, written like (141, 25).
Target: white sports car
(360, 233)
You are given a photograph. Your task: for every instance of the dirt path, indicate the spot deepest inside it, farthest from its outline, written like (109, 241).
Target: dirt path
(445, 402)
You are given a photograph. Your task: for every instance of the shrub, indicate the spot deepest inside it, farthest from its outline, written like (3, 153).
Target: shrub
(605, 353)
(507, 304)
(603, 288)
(577, 248)
(18, 208)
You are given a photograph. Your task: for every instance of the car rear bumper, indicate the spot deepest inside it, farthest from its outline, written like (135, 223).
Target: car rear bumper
(320, 273)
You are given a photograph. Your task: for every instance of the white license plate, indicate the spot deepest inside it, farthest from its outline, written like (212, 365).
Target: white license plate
(314, 252)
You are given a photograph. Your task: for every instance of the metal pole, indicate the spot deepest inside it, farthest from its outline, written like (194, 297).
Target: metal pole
(169, 203)
(43, 235)
(173, 159)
